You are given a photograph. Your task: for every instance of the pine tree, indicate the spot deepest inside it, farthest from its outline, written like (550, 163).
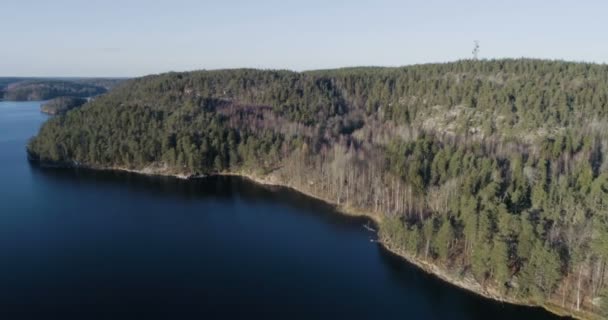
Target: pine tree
(542, 272)
(443, 240)
(500, 261)
(413, 240)
(525, 238)
(480, 260)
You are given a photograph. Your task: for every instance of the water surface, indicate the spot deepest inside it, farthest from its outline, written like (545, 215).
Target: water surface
(77, 244)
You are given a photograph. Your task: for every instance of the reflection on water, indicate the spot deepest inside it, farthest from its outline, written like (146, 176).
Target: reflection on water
(216, 187)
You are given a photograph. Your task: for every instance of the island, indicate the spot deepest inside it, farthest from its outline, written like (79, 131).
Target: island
(491, 174)
(61, 105)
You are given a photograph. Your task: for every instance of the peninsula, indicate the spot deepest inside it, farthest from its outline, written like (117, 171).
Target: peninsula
(491, 174)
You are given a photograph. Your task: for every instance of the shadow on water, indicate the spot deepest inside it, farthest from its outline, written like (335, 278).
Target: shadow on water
(395, 288)
(223, 188)
(468, 302)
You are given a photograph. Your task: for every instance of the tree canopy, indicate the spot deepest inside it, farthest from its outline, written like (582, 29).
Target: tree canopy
(493, 169)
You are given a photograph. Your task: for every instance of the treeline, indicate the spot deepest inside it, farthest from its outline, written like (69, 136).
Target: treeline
(493, 170)
(32, 89)
(61, 105)
(188, 139)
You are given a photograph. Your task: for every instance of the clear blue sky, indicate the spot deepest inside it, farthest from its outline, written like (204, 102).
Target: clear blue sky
(138, 37)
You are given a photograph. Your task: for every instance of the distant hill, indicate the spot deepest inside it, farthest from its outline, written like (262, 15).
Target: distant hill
(28, 89)
(106, 83)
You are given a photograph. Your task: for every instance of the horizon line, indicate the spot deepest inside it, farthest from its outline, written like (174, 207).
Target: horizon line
(603, 63)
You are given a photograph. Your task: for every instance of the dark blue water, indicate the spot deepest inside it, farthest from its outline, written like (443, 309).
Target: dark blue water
(79, 244)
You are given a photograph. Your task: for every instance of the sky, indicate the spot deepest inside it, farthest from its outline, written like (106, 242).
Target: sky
(127, 38)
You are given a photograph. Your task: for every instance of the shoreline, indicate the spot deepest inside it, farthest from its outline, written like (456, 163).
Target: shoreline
(465, 283)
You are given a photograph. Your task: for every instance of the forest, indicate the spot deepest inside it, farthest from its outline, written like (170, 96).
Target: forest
(61, 105)
(31, 89)
(492, 170)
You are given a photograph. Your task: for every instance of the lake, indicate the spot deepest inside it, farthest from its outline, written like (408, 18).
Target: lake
(79, 244)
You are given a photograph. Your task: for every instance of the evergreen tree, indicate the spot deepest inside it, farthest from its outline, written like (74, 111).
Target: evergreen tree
(443, 239)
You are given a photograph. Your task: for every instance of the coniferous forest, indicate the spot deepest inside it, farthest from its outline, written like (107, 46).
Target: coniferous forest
(61, 105)
(493, 171)
(28, 89)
